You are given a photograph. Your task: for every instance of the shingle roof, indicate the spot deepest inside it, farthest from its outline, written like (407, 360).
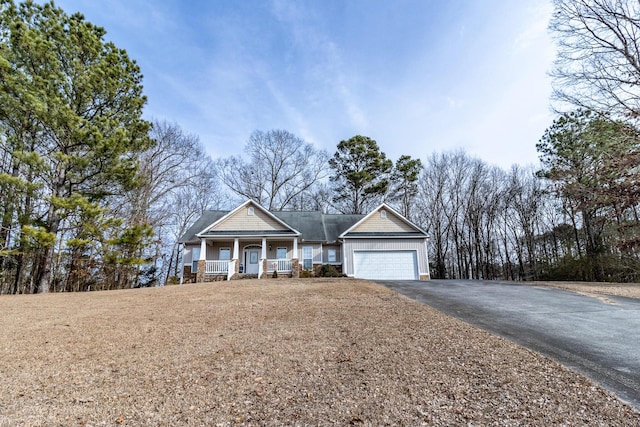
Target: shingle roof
(314, 226)
(336, 224)
(207, 218)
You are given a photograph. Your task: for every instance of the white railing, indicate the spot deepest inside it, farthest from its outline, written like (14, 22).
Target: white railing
(217, 267)
(279, 265)
(232, 269)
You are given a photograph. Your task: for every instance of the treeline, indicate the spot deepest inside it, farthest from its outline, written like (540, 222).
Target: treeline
(487, 223)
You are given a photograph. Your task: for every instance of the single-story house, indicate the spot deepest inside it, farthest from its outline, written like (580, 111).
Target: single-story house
(250, 240)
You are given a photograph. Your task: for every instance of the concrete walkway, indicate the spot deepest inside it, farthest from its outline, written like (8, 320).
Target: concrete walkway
(599, 338)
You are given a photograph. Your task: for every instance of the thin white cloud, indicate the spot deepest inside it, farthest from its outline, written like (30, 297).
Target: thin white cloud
(535, 32)
(417, 77)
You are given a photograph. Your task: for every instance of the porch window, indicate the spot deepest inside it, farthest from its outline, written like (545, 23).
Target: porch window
(195, 257)
(331, 255)
(307, 257)
(225, 254)
(281, 253)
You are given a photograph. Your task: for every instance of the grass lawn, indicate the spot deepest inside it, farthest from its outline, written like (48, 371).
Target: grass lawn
(273, 352)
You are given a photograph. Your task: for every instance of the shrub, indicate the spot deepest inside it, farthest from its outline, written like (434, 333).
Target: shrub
(306, 274)
(274, 275)
(328, 270)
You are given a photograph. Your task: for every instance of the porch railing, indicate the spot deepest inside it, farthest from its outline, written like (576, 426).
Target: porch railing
(279, 265)
(217, 267)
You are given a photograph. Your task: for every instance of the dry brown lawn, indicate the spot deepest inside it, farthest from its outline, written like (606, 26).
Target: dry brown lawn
(273, 352)
(629, 290)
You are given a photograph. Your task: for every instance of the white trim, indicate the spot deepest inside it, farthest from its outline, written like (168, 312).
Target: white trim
(426, 254)
(394, 236)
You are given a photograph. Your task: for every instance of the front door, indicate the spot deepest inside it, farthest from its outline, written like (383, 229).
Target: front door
(251, 260)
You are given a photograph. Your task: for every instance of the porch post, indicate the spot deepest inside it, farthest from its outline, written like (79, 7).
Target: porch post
(236, 257)
(202, 262)
(262, 268)
(235, 248)
(295, 263)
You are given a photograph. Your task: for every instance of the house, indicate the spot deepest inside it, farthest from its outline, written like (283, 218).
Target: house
(252, 241)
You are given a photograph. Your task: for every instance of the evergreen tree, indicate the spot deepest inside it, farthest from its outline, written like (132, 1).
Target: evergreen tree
(71, 116)
(361, 174)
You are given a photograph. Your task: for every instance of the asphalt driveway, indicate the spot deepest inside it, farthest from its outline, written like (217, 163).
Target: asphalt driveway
(599, 338)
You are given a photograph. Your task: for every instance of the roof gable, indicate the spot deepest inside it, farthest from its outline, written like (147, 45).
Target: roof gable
(249, 216)
(383, 221)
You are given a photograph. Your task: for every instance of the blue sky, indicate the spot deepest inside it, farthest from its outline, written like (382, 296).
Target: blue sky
(418, 76)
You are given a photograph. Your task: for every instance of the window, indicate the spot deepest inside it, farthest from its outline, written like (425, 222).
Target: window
(253, 257)
(281, 253)
(250, 211)
(225, 254)
(307, 257)
(195, 256)
(383, 214)
(331, 255)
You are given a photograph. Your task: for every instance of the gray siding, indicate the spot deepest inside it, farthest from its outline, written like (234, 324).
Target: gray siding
(325, 254)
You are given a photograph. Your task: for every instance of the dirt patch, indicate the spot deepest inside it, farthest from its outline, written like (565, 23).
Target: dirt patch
(296, 352)
(629, 290)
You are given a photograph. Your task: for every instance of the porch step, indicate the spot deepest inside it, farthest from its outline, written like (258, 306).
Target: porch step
(246, 276)
(215, 277)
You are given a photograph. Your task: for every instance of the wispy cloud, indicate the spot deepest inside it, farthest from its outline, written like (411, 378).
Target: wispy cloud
(418, 76)
(535, 32)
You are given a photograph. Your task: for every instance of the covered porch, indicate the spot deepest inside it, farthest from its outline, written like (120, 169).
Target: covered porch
(229, 259)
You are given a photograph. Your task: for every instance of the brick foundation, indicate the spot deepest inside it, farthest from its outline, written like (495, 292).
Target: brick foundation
(202, 266)
(187, 275)
(264, 270)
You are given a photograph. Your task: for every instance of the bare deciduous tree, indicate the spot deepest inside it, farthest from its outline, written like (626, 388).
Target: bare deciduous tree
(176, 183)
(279, 168)
(598, 63)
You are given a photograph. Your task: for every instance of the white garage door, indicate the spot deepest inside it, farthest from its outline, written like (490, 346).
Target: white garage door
(386, 265)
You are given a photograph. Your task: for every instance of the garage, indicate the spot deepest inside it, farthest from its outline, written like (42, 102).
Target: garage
(386, 265)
